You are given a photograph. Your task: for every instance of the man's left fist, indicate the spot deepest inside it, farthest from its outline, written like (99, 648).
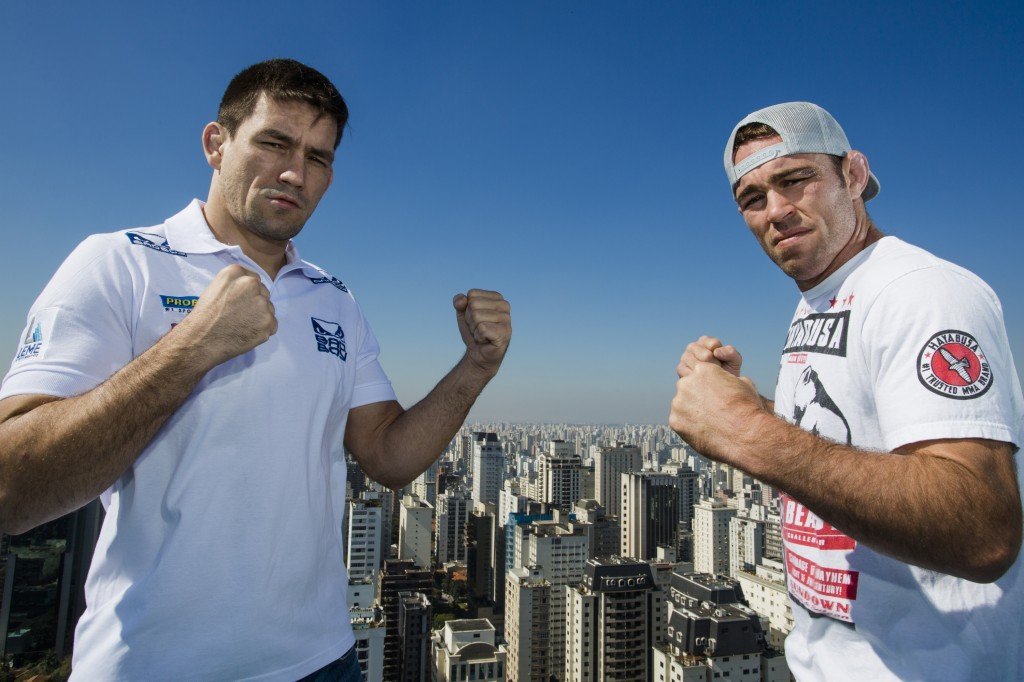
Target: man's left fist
(485, 322)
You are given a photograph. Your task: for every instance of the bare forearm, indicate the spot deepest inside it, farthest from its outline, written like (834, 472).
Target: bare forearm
(62, 454)
(418, 436)
(925, 510)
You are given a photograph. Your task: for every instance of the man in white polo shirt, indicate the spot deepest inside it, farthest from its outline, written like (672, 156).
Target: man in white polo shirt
(899, 414)
(202, 378)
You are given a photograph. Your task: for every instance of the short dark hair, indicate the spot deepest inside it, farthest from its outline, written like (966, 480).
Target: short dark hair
(759, 131)
(281, 79)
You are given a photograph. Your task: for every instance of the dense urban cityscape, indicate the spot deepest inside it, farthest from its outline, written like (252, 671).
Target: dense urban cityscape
(527, 552)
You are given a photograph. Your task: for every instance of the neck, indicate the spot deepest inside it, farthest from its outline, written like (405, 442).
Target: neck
(269, 254)
(864, 235)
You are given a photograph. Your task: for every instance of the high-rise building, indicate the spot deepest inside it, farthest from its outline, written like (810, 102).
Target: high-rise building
(398, 576)
(558, 474)
(712, 634)
(414, 614)
(650, 513)
(480, 555)
(689, 494)
(613, 619)
(711, 536)
(587, 482)
(452, 515)
(746, 544)
(416, 531)
(464, 462)
(362, 539)
(528, 599)
(773, 534)
(560, 550)
(602, 532)
(466, 650)
(367, 621)
(610, 462)
(355, 478)
(425, 485)
(765, 590)
(488, 467)
(42, 593)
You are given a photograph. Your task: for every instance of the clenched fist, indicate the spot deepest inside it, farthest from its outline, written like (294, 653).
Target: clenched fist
(485, 323)
(233, 315)
(714, 409)
(710, 349)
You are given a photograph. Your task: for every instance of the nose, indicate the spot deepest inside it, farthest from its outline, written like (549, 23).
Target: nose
(294, 172)
(778, 207)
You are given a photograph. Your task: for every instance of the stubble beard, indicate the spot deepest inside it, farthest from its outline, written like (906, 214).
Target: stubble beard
(274, 230)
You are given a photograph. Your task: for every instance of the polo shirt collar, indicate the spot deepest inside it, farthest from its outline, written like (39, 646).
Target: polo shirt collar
(189, 232)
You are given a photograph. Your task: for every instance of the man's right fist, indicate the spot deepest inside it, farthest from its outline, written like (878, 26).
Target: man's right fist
(709, 349)
(233, 315)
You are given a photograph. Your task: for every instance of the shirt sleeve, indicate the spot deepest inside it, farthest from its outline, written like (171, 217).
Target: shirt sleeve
(79, 330)
(372, 384)
(940, 361)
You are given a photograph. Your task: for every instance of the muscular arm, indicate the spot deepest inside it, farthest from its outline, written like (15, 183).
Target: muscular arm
(394, 446)
(58, 454)
(951, 505)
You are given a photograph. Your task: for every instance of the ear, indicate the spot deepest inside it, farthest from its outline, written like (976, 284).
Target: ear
(214, 137)
(857, 170)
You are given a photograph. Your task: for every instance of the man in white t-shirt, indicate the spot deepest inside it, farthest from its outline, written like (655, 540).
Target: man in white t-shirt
(202, 378)
(893, 432)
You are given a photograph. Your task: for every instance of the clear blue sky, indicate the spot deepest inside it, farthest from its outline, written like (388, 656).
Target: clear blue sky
(565, 153)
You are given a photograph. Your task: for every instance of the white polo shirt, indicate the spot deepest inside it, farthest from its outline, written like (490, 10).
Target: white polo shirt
(221, 553)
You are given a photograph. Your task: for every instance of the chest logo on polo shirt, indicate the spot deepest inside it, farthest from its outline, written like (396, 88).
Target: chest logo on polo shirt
(329, 338)
(179, 304)
(140, 239)
(953, 365)
(333, 281)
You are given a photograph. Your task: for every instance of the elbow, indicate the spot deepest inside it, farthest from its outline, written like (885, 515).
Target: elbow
(991, 561)
(12, 523)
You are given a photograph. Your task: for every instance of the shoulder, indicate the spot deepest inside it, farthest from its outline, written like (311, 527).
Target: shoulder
(897, 272)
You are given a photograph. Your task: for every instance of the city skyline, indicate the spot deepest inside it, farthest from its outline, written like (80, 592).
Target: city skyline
(567, 155)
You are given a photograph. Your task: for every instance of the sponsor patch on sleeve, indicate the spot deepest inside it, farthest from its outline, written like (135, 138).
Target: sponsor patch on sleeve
(35, 338)
(952, 364)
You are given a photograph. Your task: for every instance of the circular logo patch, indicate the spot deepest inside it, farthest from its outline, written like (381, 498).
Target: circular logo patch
(952, 364)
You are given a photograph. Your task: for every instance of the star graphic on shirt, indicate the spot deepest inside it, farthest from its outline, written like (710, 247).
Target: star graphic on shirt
(832, 302)
(851, 299)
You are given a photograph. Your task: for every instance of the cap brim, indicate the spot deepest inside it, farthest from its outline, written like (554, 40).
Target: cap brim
(872, 189)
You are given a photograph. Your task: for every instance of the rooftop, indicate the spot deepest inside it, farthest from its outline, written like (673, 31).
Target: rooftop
(468, 624)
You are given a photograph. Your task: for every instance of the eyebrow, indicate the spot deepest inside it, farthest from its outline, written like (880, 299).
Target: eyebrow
(772, 179)
(285, 137)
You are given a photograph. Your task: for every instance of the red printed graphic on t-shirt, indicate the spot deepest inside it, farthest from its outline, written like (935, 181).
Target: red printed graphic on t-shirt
(821, 588)
(800, 526)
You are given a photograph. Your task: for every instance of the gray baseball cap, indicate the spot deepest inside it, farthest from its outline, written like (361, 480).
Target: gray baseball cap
(805, 128)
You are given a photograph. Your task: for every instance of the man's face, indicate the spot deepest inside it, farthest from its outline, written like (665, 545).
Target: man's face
(276, 166)
(799, 209)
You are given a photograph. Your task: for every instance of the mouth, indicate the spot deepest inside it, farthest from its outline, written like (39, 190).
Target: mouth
(790, 238)
(285, 201)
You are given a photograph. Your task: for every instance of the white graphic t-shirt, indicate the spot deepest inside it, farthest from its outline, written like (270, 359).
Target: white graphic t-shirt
(897, 347)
